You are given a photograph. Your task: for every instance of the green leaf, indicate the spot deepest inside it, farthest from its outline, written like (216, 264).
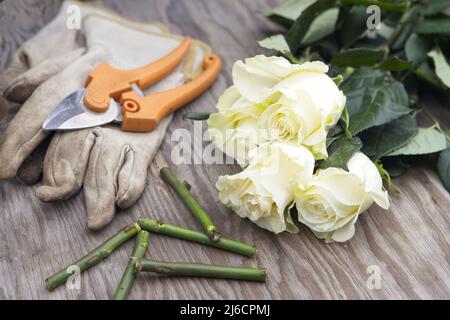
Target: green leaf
(401, 39)
(380, 104)
(443, 166)
(362, 78)
(407, 23)
(353, 26)
(288, 11)
(333, 135)
(435, 6)
(355, 86)
(417, 48)
(394, 64)
(383, 140)
(340, 151)
(286, 14)
(276, 42)
(388, 5)
(301, 26)
(434, 26)
(426, 73)
(330, 140)
(441, 66)
(322, 26)
(427, 140)
(357, 58)
(196, 116)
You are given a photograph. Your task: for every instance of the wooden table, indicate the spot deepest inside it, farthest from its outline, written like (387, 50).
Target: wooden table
(408, 244)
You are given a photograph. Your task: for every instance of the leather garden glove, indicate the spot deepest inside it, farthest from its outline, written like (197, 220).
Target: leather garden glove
(55, 47)
(49, 52)
(110, 164)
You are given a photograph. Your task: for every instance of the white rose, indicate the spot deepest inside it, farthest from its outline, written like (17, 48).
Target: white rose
(263, 191)
(234, 130)
(297, 120)
(330, 203)
(274, 100)
(323, 91)
(262, 76)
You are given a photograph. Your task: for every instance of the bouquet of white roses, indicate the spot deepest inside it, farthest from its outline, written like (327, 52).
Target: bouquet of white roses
(274, 120)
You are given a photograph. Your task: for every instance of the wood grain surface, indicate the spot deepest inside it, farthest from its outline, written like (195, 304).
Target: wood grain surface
(409, 244)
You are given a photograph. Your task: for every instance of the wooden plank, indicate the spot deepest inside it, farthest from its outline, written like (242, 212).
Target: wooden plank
(408, 243)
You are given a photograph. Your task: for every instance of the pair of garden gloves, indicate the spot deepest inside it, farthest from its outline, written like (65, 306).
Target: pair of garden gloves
(110, 165)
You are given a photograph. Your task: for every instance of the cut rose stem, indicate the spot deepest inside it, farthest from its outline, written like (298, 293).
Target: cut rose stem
(183, 192)
(139, 250)
(200, 270)
(93, 257)
(156, 226)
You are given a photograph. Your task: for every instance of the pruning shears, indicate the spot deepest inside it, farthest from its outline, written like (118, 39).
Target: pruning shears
(113, 95)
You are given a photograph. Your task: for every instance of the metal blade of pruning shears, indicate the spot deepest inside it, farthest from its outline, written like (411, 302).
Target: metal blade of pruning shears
(72, 114)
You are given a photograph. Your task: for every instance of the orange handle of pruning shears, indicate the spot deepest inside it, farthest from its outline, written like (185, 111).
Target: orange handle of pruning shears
(142, 114)
(106, 82)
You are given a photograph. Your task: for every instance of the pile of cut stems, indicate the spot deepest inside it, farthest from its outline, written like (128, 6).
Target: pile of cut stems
(142, 231)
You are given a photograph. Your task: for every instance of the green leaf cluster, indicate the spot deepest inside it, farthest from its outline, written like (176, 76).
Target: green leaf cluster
(386, 70)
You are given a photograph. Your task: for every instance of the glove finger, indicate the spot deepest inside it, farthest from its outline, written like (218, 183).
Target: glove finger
(132, 177)
(54, 39)
(24, 132)
(30, 172)
(7, 109)
(65, 165)
(17, 66)
(22, 86)
(117, 170)
(106, 159)
(64, 188)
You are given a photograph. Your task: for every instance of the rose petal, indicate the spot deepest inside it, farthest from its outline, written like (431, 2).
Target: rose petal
(346, 232)
(360, 165)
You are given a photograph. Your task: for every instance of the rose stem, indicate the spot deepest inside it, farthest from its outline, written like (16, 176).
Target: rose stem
(182, 191)
(125, 284)
(199, 116)
(200, 270)
(95, 256)
(156, 226)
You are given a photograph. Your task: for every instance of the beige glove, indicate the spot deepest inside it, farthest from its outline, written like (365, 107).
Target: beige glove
(110, 164)
(36, 60)
(50, 51)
